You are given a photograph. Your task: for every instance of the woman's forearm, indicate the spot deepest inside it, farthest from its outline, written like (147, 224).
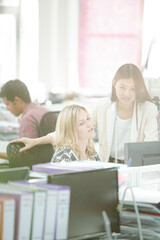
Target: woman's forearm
(3, 155)
(31, 142)
(48, 139)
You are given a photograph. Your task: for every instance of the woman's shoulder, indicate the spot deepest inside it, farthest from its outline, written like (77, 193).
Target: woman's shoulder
(101, 107)
(149, 106)
(104, 102)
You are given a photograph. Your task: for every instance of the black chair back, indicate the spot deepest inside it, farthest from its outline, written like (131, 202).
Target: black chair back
(37, 154)
(48, 123)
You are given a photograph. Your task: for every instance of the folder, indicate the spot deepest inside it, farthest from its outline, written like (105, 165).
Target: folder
(24, 204)
(62, 212)
(38, 211)
(57, 208)
(7, 218)
(72, 166)
(53, 168)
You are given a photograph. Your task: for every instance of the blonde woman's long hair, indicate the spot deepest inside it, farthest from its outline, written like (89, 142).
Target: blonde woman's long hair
(66, 130)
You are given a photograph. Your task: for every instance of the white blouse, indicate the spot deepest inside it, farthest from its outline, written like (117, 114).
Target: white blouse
(121, 135)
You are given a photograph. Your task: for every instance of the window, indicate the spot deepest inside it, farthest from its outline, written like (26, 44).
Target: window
(9, 50)
(110, 35)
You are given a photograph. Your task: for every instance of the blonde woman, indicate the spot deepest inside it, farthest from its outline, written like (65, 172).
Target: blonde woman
(74, 133)
(73, 136)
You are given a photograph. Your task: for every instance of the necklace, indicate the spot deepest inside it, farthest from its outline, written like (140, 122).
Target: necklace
(116, 137)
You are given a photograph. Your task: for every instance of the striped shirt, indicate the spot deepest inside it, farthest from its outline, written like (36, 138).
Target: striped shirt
(67, 154)
(30, 119)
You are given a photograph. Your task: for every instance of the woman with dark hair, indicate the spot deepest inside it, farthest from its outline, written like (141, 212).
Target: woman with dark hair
(128, 116)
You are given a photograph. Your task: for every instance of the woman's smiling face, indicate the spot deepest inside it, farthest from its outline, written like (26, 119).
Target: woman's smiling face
(125, 91)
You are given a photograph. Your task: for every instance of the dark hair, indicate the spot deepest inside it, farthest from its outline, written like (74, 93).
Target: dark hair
(15, 88)
(131, 71)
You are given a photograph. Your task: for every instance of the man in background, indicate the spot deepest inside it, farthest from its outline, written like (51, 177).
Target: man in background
(17, 99)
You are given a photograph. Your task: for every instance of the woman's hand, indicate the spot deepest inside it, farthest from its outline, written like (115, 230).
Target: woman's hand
(29, 143)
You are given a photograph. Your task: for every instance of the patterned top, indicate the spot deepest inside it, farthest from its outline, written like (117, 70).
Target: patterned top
(30, 120)
(67, 154)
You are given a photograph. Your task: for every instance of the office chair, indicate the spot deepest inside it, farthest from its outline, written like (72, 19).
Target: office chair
(48, 123)
(37, 154)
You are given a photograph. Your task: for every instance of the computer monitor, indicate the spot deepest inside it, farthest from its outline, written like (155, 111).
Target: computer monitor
(91, 193)
(12, 174)
(142, 153)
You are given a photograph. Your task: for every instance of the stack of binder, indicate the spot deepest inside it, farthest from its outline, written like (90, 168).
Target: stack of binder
(23, 211)
(73, 166)
(34, 211)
